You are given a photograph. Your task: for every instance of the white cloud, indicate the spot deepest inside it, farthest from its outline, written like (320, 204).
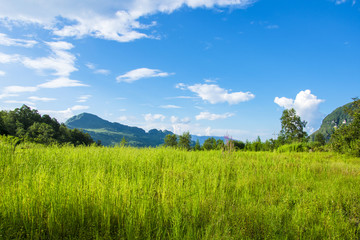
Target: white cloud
(6, 95)
(170, 106)
(41, 99)
(108, 19)
(19, 102)
(6, 41)
(2, 73)
(176, 120)
(62, 82)
(139, 73)
(6, 58)
(215, 94)
(153, 117)
(305, 104)
(102, 71)
(19, 89)
(83, 98)
(63, 115)
(60, 61)
(212, 116)
(97, 71)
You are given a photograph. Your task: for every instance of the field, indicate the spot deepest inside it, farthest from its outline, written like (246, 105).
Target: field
(158, 193)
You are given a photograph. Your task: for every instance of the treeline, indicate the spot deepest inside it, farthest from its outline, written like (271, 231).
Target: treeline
(292, 137)
(28, 125)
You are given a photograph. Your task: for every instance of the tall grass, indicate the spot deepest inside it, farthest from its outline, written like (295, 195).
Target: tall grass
(127, 193)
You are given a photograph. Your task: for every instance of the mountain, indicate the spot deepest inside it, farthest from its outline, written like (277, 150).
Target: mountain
(112, 133)
(335, 119)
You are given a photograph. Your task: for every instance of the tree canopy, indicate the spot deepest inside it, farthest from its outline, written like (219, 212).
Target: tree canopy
(27, 124)
(292, 128)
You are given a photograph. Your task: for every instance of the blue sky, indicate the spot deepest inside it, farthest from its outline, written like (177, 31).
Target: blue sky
(211, 67)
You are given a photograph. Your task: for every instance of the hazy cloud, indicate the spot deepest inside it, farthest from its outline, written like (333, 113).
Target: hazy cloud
(6, 41)
(212, 116)
(140, 73)
(41, 99)
(153, 117)
(215, 94)
(170, 106)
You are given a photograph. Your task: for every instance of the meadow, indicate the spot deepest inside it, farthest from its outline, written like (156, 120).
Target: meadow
(163, 193)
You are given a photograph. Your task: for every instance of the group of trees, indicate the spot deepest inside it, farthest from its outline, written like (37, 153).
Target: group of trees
(27, 124)
(292, 137)
(346, 138)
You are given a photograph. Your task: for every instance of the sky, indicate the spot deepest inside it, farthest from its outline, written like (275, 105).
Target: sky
(211, 67)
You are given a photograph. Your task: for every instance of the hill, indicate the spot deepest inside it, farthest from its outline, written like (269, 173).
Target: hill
(335, 119)
(111, 133)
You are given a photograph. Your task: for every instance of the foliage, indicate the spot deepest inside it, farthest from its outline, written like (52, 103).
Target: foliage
(184, 141)
(171, 140)
(209, 144)
(197, 146)
(346, 139)
(293, 147)
(320, 138)
(128, 193)
(27, 124)
(292, 128)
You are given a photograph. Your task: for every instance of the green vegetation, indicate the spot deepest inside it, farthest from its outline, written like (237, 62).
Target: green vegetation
(332, 121)
(164, 193)
(110, 134)
(28, 125)
(346, 139)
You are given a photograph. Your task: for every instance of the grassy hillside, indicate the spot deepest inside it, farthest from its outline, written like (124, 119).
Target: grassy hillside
(335, 119)
(128, 193)
(112, 133)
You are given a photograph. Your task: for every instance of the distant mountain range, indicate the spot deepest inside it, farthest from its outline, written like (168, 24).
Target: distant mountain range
(335, 119)
(111, 133)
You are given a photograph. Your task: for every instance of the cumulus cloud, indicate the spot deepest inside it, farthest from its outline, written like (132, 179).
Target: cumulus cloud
(153, 117)
(305, 104)
(215, 94)
(6, 41)
(108, 19)
(139, 73)
(212, 116)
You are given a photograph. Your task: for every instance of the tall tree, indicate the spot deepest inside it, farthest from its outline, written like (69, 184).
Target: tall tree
(292, 128)
(170, 140)
(185, 141)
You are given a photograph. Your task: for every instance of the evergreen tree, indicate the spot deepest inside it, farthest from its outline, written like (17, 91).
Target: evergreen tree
(197, 145)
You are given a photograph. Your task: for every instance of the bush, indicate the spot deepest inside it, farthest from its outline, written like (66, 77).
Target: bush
(294, 147)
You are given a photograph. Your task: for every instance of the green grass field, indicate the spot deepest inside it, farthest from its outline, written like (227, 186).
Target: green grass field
(129, 193)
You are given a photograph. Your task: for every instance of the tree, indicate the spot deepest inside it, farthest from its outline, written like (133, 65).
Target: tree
(170, 140)
(123, 142)
(292, 128)
(346, 139)
(197, 145)
(210, 144)
(184, 141)
(220, 144)
(320, 138)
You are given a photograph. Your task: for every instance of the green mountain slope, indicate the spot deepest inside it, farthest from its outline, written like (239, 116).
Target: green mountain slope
(335, 119)
(112, 133)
